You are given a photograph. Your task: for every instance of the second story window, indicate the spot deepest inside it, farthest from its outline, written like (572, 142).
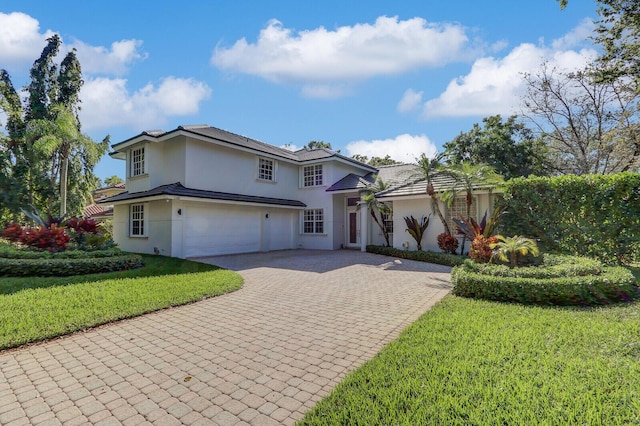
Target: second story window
(137, 162)
(312, 175)
(266, 169)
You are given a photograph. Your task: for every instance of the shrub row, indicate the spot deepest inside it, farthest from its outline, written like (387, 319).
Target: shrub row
(419, 255)
(591, 215)
(66, 267)
(10, 252)
(614, 284)
(554, 266)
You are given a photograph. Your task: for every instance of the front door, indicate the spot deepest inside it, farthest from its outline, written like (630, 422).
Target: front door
(353, 228)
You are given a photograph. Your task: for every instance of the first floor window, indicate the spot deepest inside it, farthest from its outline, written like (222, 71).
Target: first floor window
(137, 220)
(313, 221)
(387, 222)
(458, 209)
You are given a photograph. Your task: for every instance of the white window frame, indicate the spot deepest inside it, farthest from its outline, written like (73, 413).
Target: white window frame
(315, 175)
(140, 162)
(137, 214)
(314, 218)
(387, 222)
(274, 167)
(458, 208)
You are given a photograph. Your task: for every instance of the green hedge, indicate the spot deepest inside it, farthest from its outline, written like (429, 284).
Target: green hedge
(555, 266)
(613, 284)
(67, 267)
(593, 215)
(8, 251)
(422, 256)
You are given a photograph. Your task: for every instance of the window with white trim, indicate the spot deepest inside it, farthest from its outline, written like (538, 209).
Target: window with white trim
(137, 162)
(458, 209)
(387, 222)
(312, 175)
(313, 221)
(137, 220)
(266, 169)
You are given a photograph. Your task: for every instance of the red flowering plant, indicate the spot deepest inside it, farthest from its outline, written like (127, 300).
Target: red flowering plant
(448, 243)
(13, 232)
(52, 239)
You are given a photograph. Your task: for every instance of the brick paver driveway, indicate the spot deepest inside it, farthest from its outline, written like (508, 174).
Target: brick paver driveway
(262, 355)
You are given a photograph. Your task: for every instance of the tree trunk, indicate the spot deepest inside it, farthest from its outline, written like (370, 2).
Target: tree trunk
(63, 186)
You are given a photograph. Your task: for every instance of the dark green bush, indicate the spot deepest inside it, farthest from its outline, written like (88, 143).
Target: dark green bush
(593, 215)
(555, 266)
(612, 284)
(422, 256)
(66, 267)
(10, 252)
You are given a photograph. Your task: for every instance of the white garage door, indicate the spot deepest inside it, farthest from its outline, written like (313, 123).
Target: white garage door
(220, 229)
(281, 230)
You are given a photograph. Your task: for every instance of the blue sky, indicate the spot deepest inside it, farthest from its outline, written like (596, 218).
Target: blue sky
(371, 77)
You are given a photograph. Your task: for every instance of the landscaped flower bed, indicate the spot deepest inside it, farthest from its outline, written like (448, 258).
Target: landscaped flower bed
(560, 280)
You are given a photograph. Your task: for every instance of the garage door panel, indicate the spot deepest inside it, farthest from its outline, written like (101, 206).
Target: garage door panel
(281, 230)
(221, 230)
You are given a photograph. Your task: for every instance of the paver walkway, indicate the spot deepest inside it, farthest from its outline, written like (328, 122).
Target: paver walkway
(262, 355)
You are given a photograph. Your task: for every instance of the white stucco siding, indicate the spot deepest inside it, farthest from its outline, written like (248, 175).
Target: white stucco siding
(421, 206)
(218, 168)
(157, 222)
(417, 207)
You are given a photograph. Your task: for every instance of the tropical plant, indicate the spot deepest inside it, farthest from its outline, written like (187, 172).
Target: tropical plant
(427, 168)
(468, 178)
(375, 206)
(487, 227)
(509, 249)
(480, 250)
(416, 228)
(448, 243)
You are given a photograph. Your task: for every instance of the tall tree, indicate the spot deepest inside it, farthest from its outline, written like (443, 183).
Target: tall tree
(376, 207)
(506, 145)
(49, 159)
(426, 170)
(589, 126)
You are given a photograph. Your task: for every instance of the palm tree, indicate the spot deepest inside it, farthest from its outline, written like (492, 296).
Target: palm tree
(374, 205)
(510, 248)
(467, 178)
(427, 168)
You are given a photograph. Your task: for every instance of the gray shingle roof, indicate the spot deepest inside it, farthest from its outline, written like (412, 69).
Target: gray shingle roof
(177, 189)
(441, 182)
(215, 133)
(352, 182)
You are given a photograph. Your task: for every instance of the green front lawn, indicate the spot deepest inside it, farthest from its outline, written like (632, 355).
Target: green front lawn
(33, 309)
(485, 363)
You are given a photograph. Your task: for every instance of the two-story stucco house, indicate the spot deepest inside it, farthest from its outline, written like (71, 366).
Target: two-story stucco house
(201, 191)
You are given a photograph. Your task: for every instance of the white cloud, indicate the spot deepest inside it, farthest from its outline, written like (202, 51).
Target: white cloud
(116, 60)
(410, 101)
(575, 37)
(347, 54)
(405, 148)
(495, 85)
(20, 40)
(108, 103)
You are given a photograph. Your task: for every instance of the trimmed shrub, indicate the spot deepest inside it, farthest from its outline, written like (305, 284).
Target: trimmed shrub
(419, 255)
(554, 284)
(10, 252)
(591, 215)
(63, 267)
